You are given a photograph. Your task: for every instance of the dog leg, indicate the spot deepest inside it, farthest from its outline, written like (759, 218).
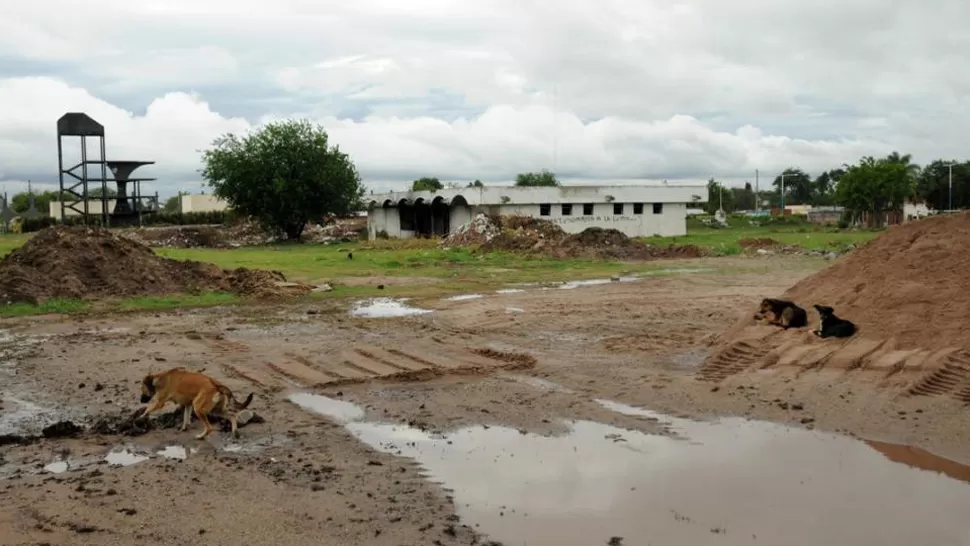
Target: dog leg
(205, 423)
(153, 406)
(232, 421)
(186, 418)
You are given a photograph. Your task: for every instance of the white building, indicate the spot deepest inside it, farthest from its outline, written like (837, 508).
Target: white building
(642, 210)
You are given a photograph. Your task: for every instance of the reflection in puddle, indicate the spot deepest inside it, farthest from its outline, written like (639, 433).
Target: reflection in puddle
(735, 482)
(173, 452)
(124, 458)
(338, 410)
(385, 308)
(510, 291)
(514, 310)
(57, 467)
(464, 297)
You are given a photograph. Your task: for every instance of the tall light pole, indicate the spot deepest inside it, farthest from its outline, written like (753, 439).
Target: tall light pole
(951, 186)
(757, 196)
(783, 175)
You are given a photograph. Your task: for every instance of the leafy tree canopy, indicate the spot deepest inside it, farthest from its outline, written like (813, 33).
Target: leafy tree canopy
(427, 184)
(284, 175)
(542, 178)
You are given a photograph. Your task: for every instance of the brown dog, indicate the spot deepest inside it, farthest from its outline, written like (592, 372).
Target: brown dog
(192, 391)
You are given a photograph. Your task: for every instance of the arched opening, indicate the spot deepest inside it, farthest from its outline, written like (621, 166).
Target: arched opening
(440, 216)
(423, 225)
(405, 212)
(459, 213)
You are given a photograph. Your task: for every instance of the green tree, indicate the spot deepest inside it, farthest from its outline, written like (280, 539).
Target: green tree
(744, 198)
(874, 186)
(823, 188)
(20, 202)
(172, 204)
(798, 186)
(542, 178)
(476, 184)
(933, 184)
(284, 174)
(717, 196)
(94, 192)
(427, 184)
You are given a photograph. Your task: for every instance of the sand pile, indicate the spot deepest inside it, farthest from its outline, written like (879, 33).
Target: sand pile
(529, 235)
(907, 291)
(911, 284)
(86, 262)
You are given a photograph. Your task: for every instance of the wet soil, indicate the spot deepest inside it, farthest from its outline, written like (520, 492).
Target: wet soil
(471, 423)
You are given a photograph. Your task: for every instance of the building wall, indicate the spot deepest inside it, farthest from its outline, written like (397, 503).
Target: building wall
(671, 221)
(202, 203)
(94, 207)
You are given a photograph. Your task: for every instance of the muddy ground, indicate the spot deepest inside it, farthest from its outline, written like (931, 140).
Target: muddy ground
(525, 359)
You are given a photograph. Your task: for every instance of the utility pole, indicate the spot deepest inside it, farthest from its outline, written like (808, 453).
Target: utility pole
(951, 186)
(757, 197)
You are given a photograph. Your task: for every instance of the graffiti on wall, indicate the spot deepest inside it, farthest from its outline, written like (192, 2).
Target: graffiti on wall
(593, 219)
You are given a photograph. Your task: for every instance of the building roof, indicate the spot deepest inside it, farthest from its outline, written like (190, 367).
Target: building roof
(530, 195)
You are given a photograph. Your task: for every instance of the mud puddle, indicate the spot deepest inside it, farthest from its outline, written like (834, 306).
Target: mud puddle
(733, 481)
(385, 308)
(464, 297)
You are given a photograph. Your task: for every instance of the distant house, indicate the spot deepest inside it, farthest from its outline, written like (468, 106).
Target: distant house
(641, 210)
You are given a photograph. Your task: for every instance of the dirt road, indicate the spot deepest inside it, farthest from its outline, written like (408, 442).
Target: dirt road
(516, 417)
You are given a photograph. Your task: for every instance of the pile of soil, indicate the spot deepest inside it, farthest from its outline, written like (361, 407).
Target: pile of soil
(530, 235)
(242, 233)
(910, 284)
(758, 242)
(85, 262)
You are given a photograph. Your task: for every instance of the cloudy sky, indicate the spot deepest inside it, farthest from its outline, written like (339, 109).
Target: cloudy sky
(466, 89)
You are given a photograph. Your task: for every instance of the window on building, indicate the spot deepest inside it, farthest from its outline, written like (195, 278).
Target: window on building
(545, 209)
(638, 208)
(587, 209)
(617, 208)
(658, 208)
(567, 209)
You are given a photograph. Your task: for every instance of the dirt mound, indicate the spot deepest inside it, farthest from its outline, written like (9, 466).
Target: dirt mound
(758, 242)
(907, 292)
(529, 235)
(124, 423)
(84, 262)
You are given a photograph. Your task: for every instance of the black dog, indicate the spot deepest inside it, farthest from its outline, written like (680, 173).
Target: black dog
(782, 313)
(830, 325)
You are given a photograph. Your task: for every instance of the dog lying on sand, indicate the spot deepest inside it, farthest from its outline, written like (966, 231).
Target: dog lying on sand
(782, 313)
(830, 325)
(192, 391)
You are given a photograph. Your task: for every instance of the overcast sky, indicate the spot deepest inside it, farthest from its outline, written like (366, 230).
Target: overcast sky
(466, 89)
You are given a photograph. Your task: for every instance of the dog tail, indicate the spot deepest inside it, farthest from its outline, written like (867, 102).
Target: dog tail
(245, 404)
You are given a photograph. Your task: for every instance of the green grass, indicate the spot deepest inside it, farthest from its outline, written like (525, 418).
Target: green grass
(51, 306)
(451, 271)
(724, 241)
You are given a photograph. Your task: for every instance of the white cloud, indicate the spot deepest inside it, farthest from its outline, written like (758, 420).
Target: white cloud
(619, 89)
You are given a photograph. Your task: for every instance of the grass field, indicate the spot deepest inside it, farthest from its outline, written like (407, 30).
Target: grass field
(436, 271)
(725, 240)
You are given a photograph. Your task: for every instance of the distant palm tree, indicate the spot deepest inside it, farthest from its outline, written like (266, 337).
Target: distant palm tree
(912, 169)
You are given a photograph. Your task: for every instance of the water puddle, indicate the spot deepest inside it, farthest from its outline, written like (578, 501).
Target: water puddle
(510, 291)
(675, 270)
(57, 467)
(734, 482)
(464, 297)
(124, 457)
(338, 410)
(513, 310)
(173, 452)
(385, 308)
(20, 416)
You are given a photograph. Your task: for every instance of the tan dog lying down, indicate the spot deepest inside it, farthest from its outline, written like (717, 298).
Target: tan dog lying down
(192, 391)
